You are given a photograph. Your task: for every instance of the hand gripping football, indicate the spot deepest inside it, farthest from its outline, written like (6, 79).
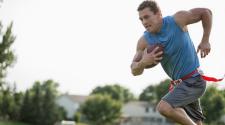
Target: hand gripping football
(150, 48)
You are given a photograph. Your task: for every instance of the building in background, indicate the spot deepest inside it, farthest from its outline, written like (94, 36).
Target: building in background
(133, 113)
(70, 103)
(142, 113)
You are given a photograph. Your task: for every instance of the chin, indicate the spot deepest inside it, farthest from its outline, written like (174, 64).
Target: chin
(150, 31)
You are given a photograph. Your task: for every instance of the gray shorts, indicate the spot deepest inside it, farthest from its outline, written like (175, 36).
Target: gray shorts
(186, 95)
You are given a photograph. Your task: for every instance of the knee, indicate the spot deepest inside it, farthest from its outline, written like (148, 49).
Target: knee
(199, 122)
(164, 108)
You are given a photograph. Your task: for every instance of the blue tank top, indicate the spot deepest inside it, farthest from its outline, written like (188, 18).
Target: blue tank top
(180, 57)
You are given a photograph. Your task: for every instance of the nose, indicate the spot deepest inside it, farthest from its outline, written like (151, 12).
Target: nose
(144, 22)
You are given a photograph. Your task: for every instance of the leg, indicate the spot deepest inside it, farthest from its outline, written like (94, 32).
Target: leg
(182, 104)
(176, 114)
(199, 123)
(194, 110)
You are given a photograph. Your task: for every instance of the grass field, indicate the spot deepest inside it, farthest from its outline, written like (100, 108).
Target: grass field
(81, 124)
(11, 123)
(18, 123)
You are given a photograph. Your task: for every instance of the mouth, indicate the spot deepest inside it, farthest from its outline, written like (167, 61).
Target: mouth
(147, 26)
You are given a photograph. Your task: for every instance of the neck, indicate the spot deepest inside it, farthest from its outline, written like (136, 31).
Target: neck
(159, 25)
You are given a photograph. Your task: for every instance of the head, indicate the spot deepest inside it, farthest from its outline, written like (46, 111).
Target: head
(150, 16)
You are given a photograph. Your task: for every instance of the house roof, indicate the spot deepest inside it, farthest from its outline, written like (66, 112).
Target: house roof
(78, 98)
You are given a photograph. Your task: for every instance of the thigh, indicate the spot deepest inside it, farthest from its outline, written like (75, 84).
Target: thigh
(186, 92)
(194, 111)
(198, 122)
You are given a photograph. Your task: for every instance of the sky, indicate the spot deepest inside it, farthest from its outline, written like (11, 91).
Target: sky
(82, 44)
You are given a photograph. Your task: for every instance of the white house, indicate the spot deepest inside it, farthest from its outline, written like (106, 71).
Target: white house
(133, 113)
(223, 119)
(142, 113)
(70, 103)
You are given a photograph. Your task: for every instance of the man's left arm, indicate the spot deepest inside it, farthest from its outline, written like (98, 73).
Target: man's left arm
(184, 18)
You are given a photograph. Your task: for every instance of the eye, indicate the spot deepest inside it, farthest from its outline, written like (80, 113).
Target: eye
(146, 17)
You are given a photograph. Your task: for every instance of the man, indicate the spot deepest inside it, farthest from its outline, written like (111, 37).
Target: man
(179, 58)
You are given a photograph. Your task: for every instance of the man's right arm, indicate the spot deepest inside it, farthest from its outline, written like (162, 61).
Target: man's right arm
(143, 59)
(137, 67)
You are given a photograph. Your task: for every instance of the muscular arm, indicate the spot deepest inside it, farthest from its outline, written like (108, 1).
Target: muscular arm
(142, 59)
(137, 67)
(184, 18)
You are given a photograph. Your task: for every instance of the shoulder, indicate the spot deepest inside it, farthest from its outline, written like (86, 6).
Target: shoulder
(181, 20)
(191, 16)
(142, 43)
(180, 17)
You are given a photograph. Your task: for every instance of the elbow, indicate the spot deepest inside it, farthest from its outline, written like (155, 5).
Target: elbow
(136, 72)
(208, 11)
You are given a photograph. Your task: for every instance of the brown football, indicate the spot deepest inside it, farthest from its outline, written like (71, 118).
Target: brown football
(150, 48)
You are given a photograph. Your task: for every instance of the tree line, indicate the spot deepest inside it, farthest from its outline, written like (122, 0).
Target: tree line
(37, 105)
(213, 102)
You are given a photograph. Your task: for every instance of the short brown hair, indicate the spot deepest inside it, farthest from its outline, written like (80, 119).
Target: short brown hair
(151, 4)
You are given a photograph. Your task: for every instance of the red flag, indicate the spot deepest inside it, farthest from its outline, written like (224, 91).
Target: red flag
(212, 79)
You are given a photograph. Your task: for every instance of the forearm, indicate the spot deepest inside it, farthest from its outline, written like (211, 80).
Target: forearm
(206, 24)
(137, 68)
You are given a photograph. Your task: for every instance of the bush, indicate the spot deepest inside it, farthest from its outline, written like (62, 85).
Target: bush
(77, 117)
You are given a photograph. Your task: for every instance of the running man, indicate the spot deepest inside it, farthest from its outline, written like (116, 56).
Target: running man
(179, 60)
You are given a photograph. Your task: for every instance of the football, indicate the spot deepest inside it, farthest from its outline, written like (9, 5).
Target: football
(150, 48)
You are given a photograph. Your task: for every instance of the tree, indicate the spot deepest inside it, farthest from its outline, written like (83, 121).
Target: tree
(149, 94)
(39, 105)
(223, 92)
(16, 101)
(52, 111)
(101, 110)
(116, 92)
(7, 56)
(37, 102)
(7, 103)
(10, 103)
(213, 103)
(154, 93)
(26, 108)
(162, 89)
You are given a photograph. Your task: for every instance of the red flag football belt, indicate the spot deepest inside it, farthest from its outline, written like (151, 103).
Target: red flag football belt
(206, 78)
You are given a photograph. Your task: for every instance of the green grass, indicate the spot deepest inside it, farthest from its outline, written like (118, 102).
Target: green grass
(18, 123)
(77, 124)
(11, 123)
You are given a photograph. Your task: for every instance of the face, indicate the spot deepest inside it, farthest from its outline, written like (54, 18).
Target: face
(152, 22)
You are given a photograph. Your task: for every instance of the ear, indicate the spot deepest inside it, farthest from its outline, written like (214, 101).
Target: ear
(159, 13)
